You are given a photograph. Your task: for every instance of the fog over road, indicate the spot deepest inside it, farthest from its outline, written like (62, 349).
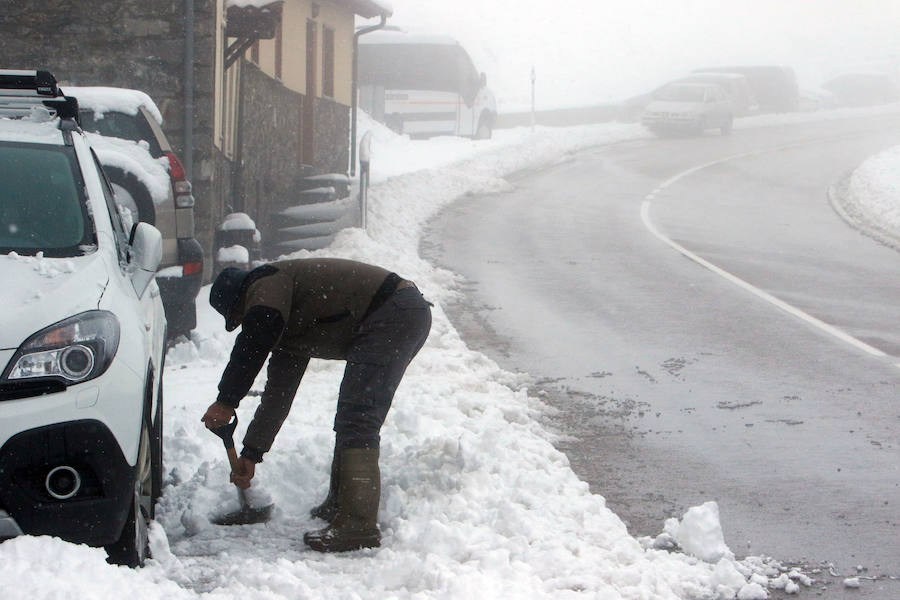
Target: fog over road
(676, 386)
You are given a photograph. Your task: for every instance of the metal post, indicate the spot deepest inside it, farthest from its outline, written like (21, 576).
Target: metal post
(533, 77)
(187, 153)
(354, 101)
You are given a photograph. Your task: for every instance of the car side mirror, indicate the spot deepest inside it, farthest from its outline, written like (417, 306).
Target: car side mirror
(145, 255)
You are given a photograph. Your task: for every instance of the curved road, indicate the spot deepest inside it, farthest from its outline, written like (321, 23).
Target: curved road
(709, 329)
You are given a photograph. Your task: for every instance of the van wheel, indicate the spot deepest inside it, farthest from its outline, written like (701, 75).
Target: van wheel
(132, 194)
(727, 126)
(485, 131)
(133, 546)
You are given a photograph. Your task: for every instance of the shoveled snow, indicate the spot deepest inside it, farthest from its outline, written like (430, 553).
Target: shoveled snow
(476, 500)
(699, 533)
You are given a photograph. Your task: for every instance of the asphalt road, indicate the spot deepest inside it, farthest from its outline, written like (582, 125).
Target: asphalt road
(708, 328)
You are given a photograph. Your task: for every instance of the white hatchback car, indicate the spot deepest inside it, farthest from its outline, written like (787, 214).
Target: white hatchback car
(689, 108)
(82, 336)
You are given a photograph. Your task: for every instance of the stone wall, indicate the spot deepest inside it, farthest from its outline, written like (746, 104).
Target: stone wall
(269, 142)
(135, 44)
(332, 137)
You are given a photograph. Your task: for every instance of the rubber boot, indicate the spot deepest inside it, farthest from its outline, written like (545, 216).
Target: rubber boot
(355, 525)
(328, 509)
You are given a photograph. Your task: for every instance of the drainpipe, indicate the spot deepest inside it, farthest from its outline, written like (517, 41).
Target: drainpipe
(188, 151)
(354, 101)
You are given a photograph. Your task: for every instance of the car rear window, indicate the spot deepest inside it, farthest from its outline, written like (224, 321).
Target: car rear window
(42, 204)
(682, 93)
(121, 125)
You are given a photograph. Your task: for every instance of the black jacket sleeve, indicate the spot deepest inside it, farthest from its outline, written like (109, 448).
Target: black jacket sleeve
(260, 330)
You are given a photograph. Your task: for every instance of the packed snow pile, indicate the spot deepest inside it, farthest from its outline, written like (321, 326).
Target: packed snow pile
(875, 189)
(476, 500)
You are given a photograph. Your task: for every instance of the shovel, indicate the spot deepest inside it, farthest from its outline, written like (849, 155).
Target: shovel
(248, 514)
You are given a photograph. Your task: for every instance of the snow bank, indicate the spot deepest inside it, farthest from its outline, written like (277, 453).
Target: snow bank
(875, 189)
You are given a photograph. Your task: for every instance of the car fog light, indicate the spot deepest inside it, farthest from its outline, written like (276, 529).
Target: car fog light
(77, 361)
(62, 482)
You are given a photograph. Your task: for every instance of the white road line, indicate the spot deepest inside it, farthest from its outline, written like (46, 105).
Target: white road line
(788, 308)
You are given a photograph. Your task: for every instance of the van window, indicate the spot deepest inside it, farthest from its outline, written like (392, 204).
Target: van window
(437, 67)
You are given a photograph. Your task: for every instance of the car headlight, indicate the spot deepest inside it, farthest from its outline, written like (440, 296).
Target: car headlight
(77, 349)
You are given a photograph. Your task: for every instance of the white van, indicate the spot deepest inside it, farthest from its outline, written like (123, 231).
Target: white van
(423, 85)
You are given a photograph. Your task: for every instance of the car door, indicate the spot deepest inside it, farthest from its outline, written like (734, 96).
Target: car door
(147, 306)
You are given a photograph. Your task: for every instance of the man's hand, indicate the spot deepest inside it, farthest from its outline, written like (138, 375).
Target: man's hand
(247, 471)
(217, 415)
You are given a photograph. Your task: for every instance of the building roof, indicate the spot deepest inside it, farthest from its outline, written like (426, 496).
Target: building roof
(364, 8)
(370, 8)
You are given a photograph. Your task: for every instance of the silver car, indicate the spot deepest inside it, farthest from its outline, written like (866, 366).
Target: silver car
(689, 108)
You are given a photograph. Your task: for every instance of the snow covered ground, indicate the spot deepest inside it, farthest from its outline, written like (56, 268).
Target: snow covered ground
(476, 501)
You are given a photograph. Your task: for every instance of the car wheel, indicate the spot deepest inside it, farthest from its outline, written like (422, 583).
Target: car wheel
(727, 125)
(132, 194)
(484, 131)
(701, 126)
(133, 546)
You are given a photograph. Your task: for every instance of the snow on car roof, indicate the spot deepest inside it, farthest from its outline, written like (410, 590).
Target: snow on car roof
(30, 131)
(384, 36)
(110, 99)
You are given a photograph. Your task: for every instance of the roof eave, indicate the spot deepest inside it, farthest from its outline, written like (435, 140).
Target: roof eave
(371, 8)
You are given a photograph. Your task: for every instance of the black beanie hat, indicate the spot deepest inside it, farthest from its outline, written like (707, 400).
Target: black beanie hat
(225, 293)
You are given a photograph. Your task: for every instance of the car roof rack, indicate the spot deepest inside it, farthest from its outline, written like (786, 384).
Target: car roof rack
(21, 91)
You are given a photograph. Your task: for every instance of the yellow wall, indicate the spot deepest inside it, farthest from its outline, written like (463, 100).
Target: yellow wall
(293, 67)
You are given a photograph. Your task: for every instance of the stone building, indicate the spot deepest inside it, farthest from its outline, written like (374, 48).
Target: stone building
(255, 94)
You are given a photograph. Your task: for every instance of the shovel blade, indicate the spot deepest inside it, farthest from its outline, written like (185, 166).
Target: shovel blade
(245, 516)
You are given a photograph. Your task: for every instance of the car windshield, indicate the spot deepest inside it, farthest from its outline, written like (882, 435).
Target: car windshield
(42, 206)
(681, 93)
(120, 125)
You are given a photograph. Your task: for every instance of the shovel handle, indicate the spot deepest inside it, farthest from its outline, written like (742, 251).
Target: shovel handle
(233, 459)
(226, 432)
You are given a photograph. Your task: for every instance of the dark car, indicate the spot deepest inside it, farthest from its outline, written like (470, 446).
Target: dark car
(863, 89)
(150, 181)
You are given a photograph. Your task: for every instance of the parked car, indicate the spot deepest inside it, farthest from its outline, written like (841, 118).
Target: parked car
(689, 108)
(82, 336)
(863, 88)
(149, 179)
(774, 87)
(424, 85)
(735, 85)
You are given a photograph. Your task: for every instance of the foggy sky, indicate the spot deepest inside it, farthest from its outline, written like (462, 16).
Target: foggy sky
(601, 50)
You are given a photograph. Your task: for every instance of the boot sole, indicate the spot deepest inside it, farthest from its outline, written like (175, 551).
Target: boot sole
(334, 544)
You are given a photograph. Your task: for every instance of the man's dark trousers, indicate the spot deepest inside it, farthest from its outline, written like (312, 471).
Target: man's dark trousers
(386, 342)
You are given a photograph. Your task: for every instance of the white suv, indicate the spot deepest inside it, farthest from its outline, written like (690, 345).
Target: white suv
(82, 336)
